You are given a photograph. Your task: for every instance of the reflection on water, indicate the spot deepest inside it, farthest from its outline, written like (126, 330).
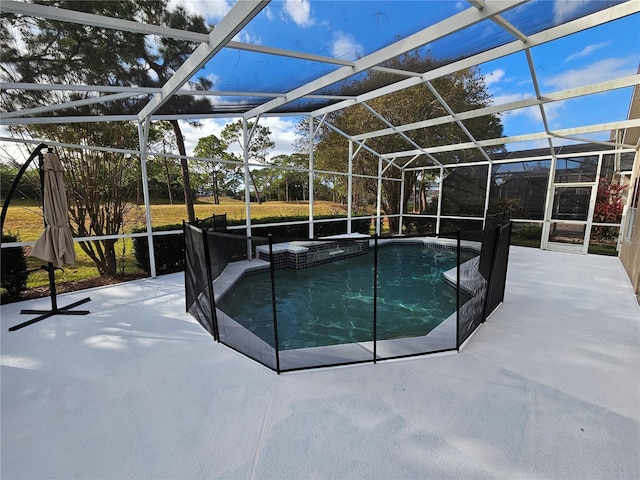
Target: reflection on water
(333, 303)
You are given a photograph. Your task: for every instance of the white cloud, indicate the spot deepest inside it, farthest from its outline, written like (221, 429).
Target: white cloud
(344, 46)
(282, 133)
(586, 51)
(551, 110)
(596, 72)
(563, 9)
(494, 76)
(299, 11)
(209, 9)
(269, 13)
(246, 37)
(214, 79)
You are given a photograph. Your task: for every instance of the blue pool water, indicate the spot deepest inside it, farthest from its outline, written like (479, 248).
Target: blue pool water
(333, 303)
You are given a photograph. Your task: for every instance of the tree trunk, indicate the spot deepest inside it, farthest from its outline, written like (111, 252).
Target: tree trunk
(168, 174)
(255, 187)
(216, 192)
(186, 183)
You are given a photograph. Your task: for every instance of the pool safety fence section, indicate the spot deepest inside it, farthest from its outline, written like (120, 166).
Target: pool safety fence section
(403, 296)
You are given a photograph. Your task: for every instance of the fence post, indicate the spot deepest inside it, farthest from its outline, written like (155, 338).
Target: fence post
(375, 297)
(458, 290)
(490, 280)
(212, 301)
(273, 303)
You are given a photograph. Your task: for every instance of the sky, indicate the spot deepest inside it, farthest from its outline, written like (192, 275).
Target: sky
(351, 29)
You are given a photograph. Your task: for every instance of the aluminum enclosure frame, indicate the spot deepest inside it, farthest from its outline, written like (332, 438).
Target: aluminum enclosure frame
(243, 12)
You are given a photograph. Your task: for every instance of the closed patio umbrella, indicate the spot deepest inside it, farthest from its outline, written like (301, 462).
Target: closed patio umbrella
(55, 244)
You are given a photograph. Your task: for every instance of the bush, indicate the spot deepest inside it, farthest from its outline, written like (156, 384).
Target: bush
(168, 250)
(301, 230)
(14, 270)
(421, 226)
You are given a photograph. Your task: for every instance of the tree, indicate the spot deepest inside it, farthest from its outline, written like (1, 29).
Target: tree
(66, 53)
(101, 186)
(256, 150)
(49, 51)
(215, 149)
(463, 90)
(293, 180)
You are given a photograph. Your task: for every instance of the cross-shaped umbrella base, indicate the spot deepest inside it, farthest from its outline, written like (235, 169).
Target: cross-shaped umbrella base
(50, 268)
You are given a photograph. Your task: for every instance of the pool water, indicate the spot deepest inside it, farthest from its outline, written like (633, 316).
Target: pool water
(333, 303)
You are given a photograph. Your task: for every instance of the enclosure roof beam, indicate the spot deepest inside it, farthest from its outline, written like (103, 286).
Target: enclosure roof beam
(498, 20)
(600, 87)
(152, 90)
(402, 134)
(567, 132)
(127, 118)
(613, 13)
(536, 87)
(458, 122)
(360, 143)
(237, 18)
(71, 104)
(82, 18)
(446, 27)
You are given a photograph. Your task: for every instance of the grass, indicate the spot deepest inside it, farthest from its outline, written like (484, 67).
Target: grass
(25, 220)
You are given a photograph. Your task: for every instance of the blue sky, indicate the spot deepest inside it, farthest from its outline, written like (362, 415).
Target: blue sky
(349, 29)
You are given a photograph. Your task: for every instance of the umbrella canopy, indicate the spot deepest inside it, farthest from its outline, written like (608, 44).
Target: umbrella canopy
(55, 244)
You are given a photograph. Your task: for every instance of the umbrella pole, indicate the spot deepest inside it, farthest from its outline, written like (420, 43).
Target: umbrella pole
(52, 287)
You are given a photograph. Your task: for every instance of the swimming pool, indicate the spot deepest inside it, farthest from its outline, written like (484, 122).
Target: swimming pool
(333, 303)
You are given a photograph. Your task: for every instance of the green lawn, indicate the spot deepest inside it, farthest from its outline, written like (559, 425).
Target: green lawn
(26, 221)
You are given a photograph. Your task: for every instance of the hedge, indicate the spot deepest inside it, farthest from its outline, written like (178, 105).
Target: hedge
(169, 249)
(14, 270)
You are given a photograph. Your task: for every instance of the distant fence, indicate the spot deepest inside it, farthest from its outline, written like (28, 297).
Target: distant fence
(248, 305)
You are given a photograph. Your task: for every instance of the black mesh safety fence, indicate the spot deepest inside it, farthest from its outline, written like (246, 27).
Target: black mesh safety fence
(198, 288)
(244, 309)
(498, 277)
(324, 294)
(216, 223)
(416, 296)
(471, 286)
(294, 304)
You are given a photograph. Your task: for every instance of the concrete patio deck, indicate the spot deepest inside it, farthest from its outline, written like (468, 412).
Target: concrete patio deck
(549, 387)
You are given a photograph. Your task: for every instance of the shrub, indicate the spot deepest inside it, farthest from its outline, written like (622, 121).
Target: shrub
(168, 250)
(14, 270)
(528, 232)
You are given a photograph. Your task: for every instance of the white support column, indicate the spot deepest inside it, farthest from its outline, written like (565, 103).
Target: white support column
(143, 136)
(487, 193)
(350, 188)
(247, 187)
(439, 200)
(402, 187)
(548, 202)
(379, 197)
(592, 207)
(311, 177)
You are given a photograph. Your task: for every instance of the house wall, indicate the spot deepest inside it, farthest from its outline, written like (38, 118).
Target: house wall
(630, 250)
